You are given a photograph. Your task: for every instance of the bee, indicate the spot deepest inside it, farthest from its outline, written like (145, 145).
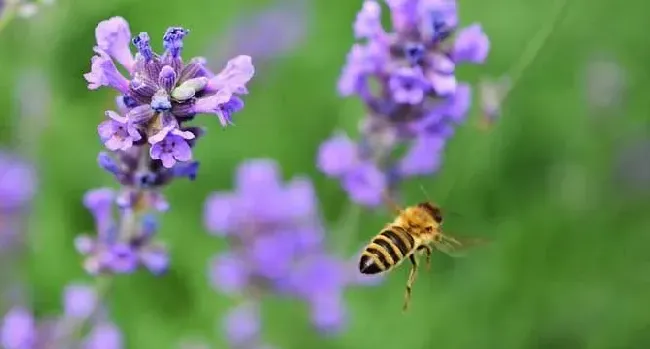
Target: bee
(417, 229)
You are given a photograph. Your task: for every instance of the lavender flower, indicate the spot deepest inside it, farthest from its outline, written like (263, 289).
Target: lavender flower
(267, 34)
(20, 329)
(406, 79)
(17, 182)
(277, 247)
(17, 188)
(161, 92)
(149, 142)
(122, 249)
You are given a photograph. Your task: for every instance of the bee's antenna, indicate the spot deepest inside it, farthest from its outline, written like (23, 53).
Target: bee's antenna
(426, 195)
(390, 203)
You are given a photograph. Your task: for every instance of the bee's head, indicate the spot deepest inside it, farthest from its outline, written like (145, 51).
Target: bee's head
(432, 210)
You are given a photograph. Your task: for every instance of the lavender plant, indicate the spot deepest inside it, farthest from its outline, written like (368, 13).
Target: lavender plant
(17, 188)
(149, 141)
(150, 146)
(405, 79)
(81, 309)
(276, 239)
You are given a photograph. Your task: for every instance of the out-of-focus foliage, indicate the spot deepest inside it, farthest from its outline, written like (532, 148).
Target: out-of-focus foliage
(568, 266)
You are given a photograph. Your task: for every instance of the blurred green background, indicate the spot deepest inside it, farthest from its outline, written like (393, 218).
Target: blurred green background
(569, 262)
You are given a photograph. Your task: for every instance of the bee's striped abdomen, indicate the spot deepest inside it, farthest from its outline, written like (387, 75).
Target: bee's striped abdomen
(372, 261)
(400, 238)
(386, 250)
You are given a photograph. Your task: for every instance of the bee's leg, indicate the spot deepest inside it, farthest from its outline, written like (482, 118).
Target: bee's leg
(427, 252)
(410, 281)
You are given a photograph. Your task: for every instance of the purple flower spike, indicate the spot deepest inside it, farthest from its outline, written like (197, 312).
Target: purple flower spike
(158, 97)
(117, 251)
(173, 148)
(276, 249)
(19, 329)
(406, 79)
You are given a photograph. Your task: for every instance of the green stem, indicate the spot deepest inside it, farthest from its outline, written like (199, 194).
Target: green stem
(533, 48)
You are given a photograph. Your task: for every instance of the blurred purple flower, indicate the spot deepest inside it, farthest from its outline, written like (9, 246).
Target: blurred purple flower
(21, 330)
(17, 182)
(18, 329)
(17, 189)
(116, 251)
(79, 301)
(242, 325)
(328, 313)
(267, 34)
(406, 79)
(104, 336)
(277, 244)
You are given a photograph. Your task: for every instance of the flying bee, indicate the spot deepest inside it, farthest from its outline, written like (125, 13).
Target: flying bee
(417, 229)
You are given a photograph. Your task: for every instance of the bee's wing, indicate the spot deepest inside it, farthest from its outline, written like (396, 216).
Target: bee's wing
(457, 247)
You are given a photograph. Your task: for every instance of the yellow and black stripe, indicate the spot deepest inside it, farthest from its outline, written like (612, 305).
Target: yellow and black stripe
(386, 250)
